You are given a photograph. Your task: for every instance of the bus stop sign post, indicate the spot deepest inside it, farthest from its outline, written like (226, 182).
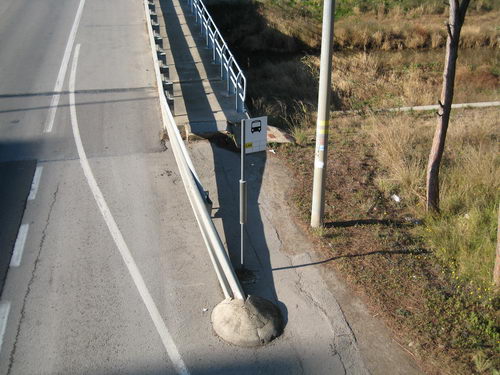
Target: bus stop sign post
(253, 139)
(243, 195)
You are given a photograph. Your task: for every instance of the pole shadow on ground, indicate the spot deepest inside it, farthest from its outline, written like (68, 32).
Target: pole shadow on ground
(226, 164)
(257, 257)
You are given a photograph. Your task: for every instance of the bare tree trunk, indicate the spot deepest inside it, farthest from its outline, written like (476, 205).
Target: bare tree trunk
(496, 270)
(456, 20)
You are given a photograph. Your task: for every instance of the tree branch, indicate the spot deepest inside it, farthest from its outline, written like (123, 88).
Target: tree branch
(463, 9)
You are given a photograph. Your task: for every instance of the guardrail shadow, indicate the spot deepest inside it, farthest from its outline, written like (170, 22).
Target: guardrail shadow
(205, 98)
(218, 363)
(16, 175)
(226, 163)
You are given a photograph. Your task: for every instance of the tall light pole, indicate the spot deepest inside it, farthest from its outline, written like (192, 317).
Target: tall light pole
(325, 74)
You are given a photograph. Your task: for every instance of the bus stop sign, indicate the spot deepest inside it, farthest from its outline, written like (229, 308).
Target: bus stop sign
(255, 134)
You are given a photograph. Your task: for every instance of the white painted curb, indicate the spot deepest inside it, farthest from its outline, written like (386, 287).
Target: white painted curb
(435, 107)
(427, 107)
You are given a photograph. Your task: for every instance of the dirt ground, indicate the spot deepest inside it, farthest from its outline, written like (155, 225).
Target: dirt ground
(371, 242)
(380, 349)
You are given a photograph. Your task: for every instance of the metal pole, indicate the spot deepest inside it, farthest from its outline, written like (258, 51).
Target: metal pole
(318, 198)
(243, 195)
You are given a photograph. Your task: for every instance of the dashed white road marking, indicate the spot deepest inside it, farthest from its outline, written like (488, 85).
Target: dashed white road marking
(35, 183)
(17, 254)
(49, 123)
(4, 315)
(165, 336)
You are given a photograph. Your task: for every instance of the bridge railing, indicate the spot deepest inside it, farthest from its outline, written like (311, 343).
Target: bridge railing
(230, 71)
(197, 195)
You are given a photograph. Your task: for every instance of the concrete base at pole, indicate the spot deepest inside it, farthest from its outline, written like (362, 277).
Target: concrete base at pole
(251, 322)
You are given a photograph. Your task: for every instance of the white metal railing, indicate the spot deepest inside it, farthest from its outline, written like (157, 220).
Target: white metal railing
(197, 197)
(229, 68)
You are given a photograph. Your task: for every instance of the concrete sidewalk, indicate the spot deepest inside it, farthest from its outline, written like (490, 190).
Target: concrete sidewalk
(201, 103)
(328, 329)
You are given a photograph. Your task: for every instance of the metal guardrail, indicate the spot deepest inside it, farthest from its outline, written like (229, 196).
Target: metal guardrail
(195, 192)
(229, 68)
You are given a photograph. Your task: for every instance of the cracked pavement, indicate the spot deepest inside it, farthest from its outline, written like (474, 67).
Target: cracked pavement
(30, 283)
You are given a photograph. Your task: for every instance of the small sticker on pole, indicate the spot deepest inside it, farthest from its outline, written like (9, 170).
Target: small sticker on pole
(318, 164)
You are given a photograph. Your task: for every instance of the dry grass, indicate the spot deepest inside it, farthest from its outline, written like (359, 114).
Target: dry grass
(430, 281)
(465, 234)
(265, 39)
(292, 22)
(425, 296)
(283, 79)
(396, 31)
(384, 28)
(391, 79)
(371, 80)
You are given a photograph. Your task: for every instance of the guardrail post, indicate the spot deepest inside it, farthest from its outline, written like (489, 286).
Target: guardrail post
(223, 64)
(217, 53)
(207, 27)
(240, 105)
(203, 22)
(228, 76)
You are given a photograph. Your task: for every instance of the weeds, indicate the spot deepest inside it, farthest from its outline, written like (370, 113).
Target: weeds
(388, 8)
(465, 234)
(392, 79)
(482, 363)
(442, 299)
(298, 121)
(399, 33)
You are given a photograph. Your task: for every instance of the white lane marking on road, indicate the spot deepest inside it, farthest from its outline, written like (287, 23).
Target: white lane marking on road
(165, 336)
(49, 123)
(35, 183)
(4, 315)
(17, 254)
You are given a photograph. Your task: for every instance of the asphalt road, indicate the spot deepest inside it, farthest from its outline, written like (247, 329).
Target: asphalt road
(112, 275)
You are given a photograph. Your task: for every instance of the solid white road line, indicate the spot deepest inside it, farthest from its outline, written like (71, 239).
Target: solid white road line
(165, 336)
(4, 315)
(35, 183)
(49, 123)
(17, 254)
